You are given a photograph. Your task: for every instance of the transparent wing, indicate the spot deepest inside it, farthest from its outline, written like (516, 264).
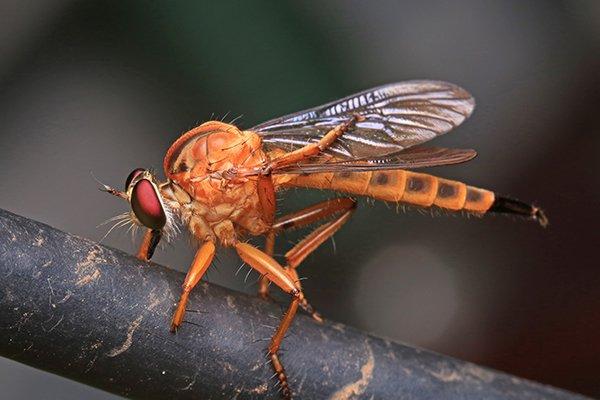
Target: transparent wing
(416, 157)
(397, 116)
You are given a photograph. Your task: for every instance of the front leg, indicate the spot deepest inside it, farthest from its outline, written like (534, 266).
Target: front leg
(149, 243)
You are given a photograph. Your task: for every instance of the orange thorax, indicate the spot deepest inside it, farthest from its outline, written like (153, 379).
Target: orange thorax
(202, 162)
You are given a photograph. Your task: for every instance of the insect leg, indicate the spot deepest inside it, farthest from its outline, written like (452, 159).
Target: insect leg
(263, 283)
(267, 266)
(276, 342)
(266, 196)
(270, 268)
(313, 149)
(149, 243)
(312, 241)
(201, 262)
(299, 219)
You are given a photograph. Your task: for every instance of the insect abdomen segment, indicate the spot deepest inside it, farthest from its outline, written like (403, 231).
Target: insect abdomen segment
(402, 186)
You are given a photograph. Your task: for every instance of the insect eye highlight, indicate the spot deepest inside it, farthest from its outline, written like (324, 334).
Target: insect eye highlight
(146, 205)
(132, 176)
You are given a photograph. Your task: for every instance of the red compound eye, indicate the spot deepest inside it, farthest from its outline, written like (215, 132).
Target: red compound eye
(146, 205)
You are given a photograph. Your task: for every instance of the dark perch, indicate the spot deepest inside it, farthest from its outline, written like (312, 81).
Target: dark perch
(101, 317)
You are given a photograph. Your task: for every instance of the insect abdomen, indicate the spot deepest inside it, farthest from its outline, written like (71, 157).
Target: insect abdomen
(403, 186)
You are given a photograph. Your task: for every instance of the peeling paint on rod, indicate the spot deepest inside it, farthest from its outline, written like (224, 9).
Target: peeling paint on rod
(101, 317)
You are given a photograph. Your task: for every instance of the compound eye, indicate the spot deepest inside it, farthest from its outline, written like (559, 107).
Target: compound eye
(146, 205)
(132, 176)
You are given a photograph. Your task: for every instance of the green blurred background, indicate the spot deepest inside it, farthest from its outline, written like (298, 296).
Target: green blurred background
(107, 86)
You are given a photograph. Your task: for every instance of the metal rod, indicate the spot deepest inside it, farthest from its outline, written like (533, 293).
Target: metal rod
(101, 317)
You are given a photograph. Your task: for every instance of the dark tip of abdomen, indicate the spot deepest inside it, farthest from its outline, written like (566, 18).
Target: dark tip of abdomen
(505, 205)
(540, 217)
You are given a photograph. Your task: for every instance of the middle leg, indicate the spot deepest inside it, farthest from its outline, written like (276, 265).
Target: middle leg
(272, 270)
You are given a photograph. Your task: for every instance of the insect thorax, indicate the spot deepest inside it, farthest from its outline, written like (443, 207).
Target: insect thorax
(213, 203)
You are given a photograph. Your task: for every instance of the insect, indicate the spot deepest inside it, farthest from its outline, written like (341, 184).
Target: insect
(222, 182)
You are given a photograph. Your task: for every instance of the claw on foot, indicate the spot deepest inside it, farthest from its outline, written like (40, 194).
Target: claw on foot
(286, 392)
(179, 312)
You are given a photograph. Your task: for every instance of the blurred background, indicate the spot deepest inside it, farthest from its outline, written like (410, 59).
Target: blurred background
(107, 86)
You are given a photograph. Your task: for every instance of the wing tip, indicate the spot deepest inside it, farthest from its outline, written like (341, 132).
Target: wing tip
(459, 92)
(470, 154)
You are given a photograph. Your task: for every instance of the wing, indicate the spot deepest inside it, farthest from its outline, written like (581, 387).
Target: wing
(416, 157)
(397, 116)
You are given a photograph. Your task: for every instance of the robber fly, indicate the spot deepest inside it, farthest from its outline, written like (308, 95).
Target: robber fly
(222, 182)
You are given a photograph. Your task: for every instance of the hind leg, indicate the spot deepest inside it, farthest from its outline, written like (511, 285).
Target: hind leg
(341, 209)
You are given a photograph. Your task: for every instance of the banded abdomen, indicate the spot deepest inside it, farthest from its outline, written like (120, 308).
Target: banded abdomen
(417, 189)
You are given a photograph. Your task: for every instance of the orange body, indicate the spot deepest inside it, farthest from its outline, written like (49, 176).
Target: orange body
(218, 203)
(222, 183)
(402, 186)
